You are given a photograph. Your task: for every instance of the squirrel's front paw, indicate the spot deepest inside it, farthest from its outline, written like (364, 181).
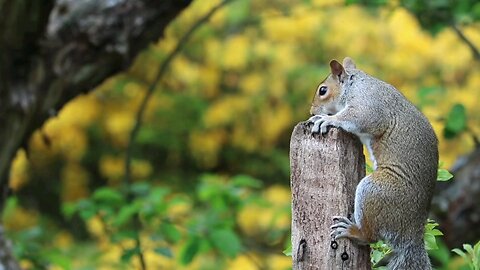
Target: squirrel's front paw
(321, 123)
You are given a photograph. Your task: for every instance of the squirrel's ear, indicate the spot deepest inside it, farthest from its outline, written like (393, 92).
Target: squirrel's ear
(348, 63)
(337, 70)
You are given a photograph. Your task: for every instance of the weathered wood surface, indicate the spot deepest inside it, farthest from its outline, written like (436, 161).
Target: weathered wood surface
(325, 171)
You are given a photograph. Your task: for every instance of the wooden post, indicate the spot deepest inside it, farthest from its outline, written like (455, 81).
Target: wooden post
(325, 171)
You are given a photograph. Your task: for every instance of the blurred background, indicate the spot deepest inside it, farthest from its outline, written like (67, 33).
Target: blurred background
(209, 184)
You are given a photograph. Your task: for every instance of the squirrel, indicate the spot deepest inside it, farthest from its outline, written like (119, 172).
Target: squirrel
(392, 203)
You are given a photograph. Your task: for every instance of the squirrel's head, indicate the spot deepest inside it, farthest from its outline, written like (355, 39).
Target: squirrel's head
(326, 99)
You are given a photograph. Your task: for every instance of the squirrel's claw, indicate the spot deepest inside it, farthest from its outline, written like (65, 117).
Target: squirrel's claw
(339, 233)
(342, 219)
(320, 123)
(341, 228)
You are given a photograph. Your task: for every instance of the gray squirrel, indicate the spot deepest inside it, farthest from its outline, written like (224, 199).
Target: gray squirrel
(392, 203)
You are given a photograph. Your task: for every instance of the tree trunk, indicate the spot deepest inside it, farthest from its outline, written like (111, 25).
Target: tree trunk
(324, 174)
(52, 51)
(456, 204)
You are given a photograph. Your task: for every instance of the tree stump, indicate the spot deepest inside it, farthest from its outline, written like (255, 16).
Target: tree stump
(325, 171)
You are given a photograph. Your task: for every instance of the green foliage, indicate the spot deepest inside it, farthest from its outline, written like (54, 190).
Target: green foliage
(381, 249)
(430, 96)
(210, 226)
(378, 252)
(431, 232)
(456, 121)
(471, 255)
(435, 15)
(444, 175)
(288, 249)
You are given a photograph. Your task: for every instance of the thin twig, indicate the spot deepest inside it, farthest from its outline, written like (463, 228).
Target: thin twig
(138, 121)
(151, 88)
(469, 43)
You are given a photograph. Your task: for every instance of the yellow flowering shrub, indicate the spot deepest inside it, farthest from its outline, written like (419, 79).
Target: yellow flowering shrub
(227, 106)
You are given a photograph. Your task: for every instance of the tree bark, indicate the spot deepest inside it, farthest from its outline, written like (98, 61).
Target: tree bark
(456, 204)
(52, 51)
(324, 174)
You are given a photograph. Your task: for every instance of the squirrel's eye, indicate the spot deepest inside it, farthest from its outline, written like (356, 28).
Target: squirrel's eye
(322, 91)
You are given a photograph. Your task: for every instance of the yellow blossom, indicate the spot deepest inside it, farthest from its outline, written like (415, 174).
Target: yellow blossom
(205, 146)
(19, 170)
(141, 169)
(243, 262)
(186, 71)
(225, 110)
(20, 219)
(96, 227)
(82, 111)
(252, 83)
(119, 124)
(279, 262)
(278, 195)
(63, 239)
(209, 79)
(74, 182)
(112, 167)
(66, 139)
(274, 122)
(235, 54)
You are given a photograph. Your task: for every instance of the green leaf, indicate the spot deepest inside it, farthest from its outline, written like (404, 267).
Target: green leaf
(126, 213)
(108, 195)
(164, 251)
(59, 259)
(226, 241)
(456, 121)
(129, 253)
(436, 232)
(246, 181)
(468, 248)
(170, 232)
(69, 209)
(430, 241)
(460, 253)
(140, 189)
(444, 175)
(123, 235)
(376, 256)
(157, 195)
(10, 206)
(429, 96)
(87, 214)
(351, 2)
(288, 250)
(190, 250)
(238, 11)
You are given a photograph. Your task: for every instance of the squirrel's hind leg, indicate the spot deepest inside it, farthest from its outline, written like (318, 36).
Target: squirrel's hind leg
(345, 228)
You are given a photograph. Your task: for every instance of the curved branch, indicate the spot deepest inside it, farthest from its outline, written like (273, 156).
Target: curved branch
(151, 88)
(141, 111)
(468, 42)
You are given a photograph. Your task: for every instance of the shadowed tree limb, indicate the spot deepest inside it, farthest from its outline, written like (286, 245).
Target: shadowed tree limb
(468, 42)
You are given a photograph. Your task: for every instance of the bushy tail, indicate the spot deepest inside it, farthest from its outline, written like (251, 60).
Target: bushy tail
(410, 258)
